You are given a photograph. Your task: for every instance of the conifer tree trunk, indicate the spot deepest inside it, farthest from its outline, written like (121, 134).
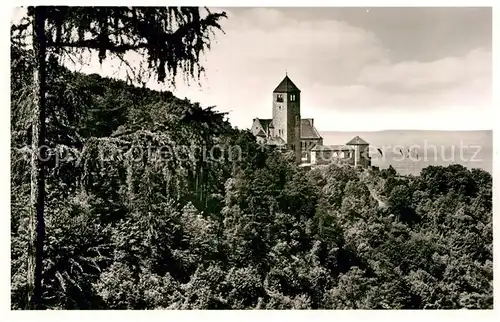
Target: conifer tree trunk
(36, 215)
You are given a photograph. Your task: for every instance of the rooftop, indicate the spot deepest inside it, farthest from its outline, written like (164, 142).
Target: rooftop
(286, 86)
(307, 129)
(266, 123)
(357, 141)
(276, 140)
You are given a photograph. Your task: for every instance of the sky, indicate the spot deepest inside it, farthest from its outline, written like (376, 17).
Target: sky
(358, 69)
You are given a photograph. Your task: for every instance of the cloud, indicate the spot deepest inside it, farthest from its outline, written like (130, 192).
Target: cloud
(446, 73)
(338, 67)
(452, 81)
(249, 61)
(320, 51)
(342, 70)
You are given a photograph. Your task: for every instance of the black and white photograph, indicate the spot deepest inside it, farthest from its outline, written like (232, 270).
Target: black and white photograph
(250, 158)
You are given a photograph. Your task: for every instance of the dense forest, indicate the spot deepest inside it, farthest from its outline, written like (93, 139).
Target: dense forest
(128, 230)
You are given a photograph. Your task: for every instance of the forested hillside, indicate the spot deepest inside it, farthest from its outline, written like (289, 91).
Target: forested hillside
(131, 230)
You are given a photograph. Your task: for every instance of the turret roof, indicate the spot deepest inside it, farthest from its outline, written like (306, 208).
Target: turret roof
(357, 141)
(286, 86)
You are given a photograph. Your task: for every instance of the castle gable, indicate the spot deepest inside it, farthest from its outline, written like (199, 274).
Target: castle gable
(261, 125)
(266, 123)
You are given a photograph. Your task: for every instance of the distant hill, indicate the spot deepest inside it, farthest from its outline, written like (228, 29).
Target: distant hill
(473, 149)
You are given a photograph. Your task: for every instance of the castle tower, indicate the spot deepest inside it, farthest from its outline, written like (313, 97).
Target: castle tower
(361, 152)
(286, 115)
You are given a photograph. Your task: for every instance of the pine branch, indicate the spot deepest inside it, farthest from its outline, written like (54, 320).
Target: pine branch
(96, 44)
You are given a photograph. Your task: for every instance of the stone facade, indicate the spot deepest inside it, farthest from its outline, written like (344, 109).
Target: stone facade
(355, 153)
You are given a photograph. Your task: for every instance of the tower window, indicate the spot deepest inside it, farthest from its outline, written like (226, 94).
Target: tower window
(279, 98)
(292, 97)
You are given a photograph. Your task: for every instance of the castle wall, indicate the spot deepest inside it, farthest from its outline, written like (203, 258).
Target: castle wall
(286, 120)
(280, 115)
(294, 124)
(365, 156)
(327, 156)
(306, 145)
(361, 156)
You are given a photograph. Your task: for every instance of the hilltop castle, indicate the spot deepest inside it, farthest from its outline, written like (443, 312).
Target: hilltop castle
(288, 131)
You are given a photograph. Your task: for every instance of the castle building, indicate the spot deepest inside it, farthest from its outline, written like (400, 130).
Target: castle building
(355, 152)
(289, 132)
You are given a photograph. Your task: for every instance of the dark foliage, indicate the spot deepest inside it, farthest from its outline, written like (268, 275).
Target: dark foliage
(249, 230)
